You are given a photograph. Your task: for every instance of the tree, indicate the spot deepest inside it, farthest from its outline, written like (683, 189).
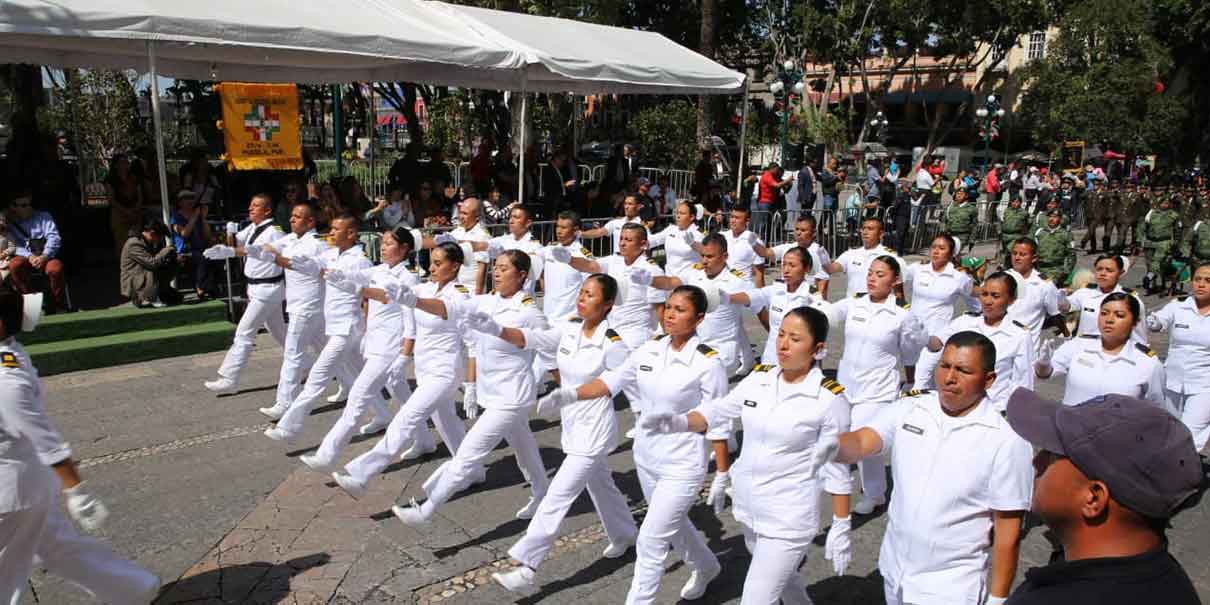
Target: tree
(101, 108)
(665, 132)
(706, 48)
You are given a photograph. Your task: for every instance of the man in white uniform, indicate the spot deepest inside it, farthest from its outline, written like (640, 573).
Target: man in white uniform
(473, 274)
(517, 238)
(742, 246)
(630, 212)
(855, 262)
(1037, 296)
(561, 282)
(804, 237)
(266, 288)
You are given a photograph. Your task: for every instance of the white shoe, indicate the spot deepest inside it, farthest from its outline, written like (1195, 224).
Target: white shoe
(867, 505)
(411, 515)
(614, 551)
(373, 426)
(222, 386)
(278, 434)
(314, 463)
(354, 489)
(699, 580)
(531, 507)
(416, 451)
(480, 477)
(274, 412)
(341, 395)
(519, 580)
(634, 430)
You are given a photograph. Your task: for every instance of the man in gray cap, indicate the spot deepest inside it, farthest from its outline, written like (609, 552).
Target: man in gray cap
(1110, 473)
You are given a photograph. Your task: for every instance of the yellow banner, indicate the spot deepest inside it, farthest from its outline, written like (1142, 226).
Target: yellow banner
(260, 126)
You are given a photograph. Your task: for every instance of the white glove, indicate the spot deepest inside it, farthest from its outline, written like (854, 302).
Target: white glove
(361, 279)
(444, 237)
(1045, 353)
(825, 451)
(640, 276)
(718, 492)
(304, 264)
(839, 547)
(219, 252)
(689, 239)
(258, 253)
(85, 508)
(494, 249)
(1154, 323)
(470, 400)
(560, 254)
(232, 228)
(549, 404)
(664, 422)
(995, 600)
(482, 322)
(335, 276)
(398, 371)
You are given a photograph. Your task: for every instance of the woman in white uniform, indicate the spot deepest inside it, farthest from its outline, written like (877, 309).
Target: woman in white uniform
(678, 240)
(790, 412)
(936, 284)
(585, 347)
(1110, 362)
(879, 332)
(1014, 342)
(673, 374)
(506, 387)
(1108, 270)
(1187, 370)
(780, 297)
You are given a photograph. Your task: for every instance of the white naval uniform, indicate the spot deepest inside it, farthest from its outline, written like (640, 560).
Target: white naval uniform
(526, 244)
(1088, 302)
(723, 328)
(775, 494)
(876, 338)
(468, 273)
(507, 393)
(1187, 370)
(779, 300)
(819, 258)
(950, 475)
(560, 288)
(343, 327)
(1014, 356)
(614, 228)
(1091, 372)
(439, 360)
(632, 317)
(741, 255)
(856, 265)
(264, 300)
(679, 257)
(304, 304)
(1037, 301)
(33, 529)
(590, 433)
(671, 467)
(933, 294)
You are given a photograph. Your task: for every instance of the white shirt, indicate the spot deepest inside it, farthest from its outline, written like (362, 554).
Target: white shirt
(779, 300)
(950, 474)
(635, 311)
(469, 271)
(774, 488)
(876, 336)
(304, 291)
(256, 268)
(656, 192)
(1187, 370)
(1038, 300)
(924, 180)
(504, 373)
(1014, 354)
(342, 304)
(741, 256)
(856, 264)
(438, 353)
(614, 228)
(526, 244)
(819, 258)
(934, 293)
(589, 426)
(722, 328)
(387, 324)
(1091, 372)
(561, 282)
(673, 382)
(1088, 302)
(678, 256)
(29, 442)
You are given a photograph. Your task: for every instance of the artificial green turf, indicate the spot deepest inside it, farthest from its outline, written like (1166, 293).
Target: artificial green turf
(129, 347)
(121, 320)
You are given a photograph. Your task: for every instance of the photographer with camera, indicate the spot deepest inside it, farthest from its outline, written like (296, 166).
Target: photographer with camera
(37, 239)
(148, 264)
(191, 236)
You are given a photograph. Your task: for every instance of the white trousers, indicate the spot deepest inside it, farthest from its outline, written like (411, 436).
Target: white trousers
(773, 573)
(894, 596)
(260, 312)
(872, 469)
(365, 395)
(304, 340)
(337, 356)
(1194, 410)
(666, 525)
(492, 426)
(432, 397)
(576, 474)
(42, 535)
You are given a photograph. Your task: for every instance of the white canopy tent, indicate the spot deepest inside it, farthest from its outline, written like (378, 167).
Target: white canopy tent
(355, 40)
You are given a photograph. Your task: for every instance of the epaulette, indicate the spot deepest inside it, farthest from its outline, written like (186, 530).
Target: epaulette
(461, 288)
(652, 261)
(279, 229)
(1092, 285)
(832, 385)
(973, 313)
(527, 300)
(889, 250)
(1145, 349)
(902, 302)
(859, 295)
(8, 359)
(1127, 290)
(658, 336)
(1090, 336)
(575, 319)
(737, 273)
(613, 336)
(1182, 298)
(1044, 277)
(705, 349)
(1019, 325)
(916, 392)
(699, 266)
(585, 252)
(762, 367)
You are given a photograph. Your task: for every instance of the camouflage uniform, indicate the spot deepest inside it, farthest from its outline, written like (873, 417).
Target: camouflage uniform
(1161, 232)
(1014, 225)
(1095, 213)
(1135, 207)
(1056, 255)
(960, 222)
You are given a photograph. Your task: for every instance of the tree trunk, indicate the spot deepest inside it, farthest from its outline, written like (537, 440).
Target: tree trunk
(706, 48)
(24, 151)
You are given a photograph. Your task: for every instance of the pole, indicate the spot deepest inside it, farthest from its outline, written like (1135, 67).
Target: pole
(575, 127)
(521, 176)
(337, 134)
(373, 139)
(743, 136)
(785, 124)
(162, 163)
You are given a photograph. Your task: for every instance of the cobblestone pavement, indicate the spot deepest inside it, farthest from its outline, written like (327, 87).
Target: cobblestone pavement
(226, 516)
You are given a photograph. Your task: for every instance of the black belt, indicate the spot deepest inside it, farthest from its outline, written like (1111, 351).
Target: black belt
(252, 281)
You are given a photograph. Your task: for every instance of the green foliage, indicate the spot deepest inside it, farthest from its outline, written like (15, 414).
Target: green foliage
(829, 128)
(667, 133)
(450, 123)
(101, 107)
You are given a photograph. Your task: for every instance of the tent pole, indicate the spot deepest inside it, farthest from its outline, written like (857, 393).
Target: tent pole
(521, 179)
(162, 163)
(743, 138)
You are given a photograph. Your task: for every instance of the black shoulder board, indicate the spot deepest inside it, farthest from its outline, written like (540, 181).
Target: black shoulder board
(652, 261)
(527, 300)
(612, 336)
(832, 385)
(1019, 325)
(903, 303)
(705, 349)
(575, 319)
(1090, 336)
(586, 252)
(658, 336)
(8, 360)
(762, 367)
(974, 313)
(1182, 298)
(859, 295)
(461, 288)
(916, 392)
(1092, 285)
(1145, 349)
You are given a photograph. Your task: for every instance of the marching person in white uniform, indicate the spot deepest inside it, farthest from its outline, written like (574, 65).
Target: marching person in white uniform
(586, 347)
(1037, 296)
(855, 262)
(680, 241)
(1109, 362)
(790, 413)
(1108, 270)
(1014, 343)
(878, 332)
(266, 289)
(963, 481)
(439, 360)
(1187, 370)
(507, 392)
(804, 237)
(630, 216)
(517, 238)
(473, 274)
(936, 284)
(560, 281)
(33, 530)
(742, 245)
(772, 302)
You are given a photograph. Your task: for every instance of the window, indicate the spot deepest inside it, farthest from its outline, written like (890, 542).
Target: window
(1037, 46)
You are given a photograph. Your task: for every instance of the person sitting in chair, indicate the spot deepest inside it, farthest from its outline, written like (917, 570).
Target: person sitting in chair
(37, 239)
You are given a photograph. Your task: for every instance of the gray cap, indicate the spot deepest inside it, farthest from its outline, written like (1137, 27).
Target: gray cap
(1143, 453)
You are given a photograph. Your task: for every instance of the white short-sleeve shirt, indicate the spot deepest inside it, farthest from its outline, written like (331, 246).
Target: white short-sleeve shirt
(304, 291)
(439, 354)
(779, 300)
(1187, 370)
(265, 233)
(561, 282)
(935, 292)
(634, 313)
(819, 258)
(1091, 372)
(1037, 301)
(342, 303)
(741, 256)
(722, 328)
(876, 337)
(678, 255)
(504, 373)
(469, 271)
(1087, 301)
(614, 228)
(1014, 353)
(856, 264)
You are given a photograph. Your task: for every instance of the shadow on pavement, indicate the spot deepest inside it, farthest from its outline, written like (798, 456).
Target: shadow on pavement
(258, 582)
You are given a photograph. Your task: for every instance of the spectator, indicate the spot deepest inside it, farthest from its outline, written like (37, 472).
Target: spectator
(1033, 183)
(558, 185)
(991, 184)
(647, 209)
(622, 167)
(147, 264)
(392, 211)
(481, 169)
(292, 193)
(353, 197)
(125, 200)
(665, 198)
(197, 177)
(703, 175)
(191, 236)
(36, 237)
(806, 188)
(7, 248)
(852, 205)
(436, 170)
(1016, 180)
(901, 212)
(506, 172)
(405, 172)
(873, 177)
(829, 189)
(769, 190)
(426, 207)
(330, 205)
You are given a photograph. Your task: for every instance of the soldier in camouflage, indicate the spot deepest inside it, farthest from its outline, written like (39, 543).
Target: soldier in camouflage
(1197, 245)
(1136, 205)
(1096, 210)
(1161, 231)
(1056, 250)
(1040, 221)
(960, 219)
(1014, 225)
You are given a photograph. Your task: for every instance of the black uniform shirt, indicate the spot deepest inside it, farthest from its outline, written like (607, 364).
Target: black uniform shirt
(1153, 577)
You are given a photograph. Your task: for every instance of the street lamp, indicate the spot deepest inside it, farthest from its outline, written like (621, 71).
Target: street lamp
(789, 78)
(989, 116)
(879, 126)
